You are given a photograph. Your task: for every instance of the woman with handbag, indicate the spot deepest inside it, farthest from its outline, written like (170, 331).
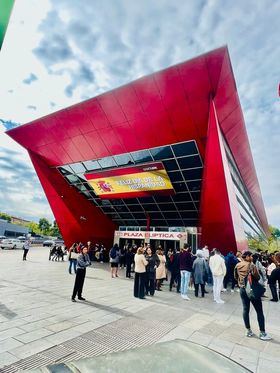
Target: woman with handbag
(251, 291)
(73, 255)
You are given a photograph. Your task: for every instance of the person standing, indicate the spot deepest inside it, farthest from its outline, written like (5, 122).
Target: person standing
(175, 270)
(218, 269)
(241, 272)
(73, 255)
(161, 269)
(230, 262)
(140, 273)
(153, 263)
(129, 259)
(83, 261)
(114, 260)
(274, 277)
(199, 274)
(26, 247)
(185, 270)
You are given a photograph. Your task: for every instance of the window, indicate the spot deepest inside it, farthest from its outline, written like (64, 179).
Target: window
(92, 165)
(162, 152)
(194, 185)
(141, 156)
(193, 174)
(78, 167)
(186, 148)
(107, 162)
(175, 176)
(171, 165)
(123, 159)
(189, 162)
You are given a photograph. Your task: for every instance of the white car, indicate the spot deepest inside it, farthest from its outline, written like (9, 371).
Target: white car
(11, 243)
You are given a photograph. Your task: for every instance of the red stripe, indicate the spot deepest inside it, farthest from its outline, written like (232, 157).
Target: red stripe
(125, 171)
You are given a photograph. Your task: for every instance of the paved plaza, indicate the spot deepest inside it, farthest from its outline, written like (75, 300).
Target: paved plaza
(39, 325)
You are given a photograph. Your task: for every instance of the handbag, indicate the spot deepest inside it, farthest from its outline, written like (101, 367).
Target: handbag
(74, 255)
(253, 288)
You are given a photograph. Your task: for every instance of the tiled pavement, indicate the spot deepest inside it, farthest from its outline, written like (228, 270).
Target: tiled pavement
(39, 324)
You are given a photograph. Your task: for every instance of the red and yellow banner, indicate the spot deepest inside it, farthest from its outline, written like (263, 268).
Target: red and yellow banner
(129, 182)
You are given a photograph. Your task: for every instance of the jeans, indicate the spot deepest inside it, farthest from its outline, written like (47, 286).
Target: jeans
(217, 287)
(185, 279)
(257, 303)
(74, 263)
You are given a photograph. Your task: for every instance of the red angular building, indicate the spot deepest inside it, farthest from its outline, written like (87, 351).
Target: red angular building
(183, 126)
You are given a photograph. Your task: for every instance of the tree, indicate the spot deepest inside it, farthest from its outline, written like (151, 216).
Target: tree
(55, 230)
(261, 243)
(44, 226)
(34, 228)
(5, 216)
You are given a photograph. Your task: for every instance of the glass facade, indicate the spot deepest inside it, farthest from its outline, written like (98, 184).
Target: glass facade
(184, 167)
(249, 216)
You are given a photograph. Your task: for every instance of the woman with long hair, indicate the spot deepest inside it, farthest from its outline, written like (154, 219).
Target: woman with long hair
(114, 260)
(161, 269)
(140, 273)
(153, 263)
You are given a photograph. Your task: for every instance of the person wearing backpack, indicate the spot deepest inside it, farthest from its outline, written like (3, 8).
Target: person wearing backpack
(247, 276)
(114, 260)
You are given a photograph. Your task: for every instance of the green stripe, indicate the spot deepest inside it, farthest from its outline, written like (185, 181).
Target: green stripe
(5, 12)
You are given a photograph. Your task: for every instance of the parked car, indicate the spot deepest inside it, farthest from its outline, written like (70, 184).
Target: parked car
(22, 238)
(2, 238)
(11, 243)
(48, 243)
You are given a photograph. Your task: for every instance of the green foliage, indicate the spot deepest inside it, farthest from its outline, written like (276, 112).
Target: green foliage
(34, 228)
(54, 231)
(272, 243)
(5, 216)
(44, 226)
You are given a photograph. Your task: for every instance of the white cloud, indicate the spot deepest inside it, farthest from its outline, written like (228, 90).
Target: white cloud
(78, 49)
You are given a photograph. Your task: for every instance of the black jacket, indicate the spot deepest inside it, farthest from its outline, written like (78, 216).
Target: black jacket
(175, 263)
(153, 263)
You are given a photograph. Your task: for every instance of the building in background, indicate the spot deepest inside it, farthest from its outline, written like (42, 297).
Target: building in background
(168, 151)
(12, 230)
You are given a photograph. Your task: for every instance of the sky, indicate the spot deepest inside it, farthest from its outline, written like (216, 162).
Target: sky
(59, 52)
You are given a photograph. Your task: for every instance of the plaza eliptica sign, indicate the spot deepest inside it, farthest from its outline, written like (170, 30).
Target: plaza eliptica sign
(174, 236)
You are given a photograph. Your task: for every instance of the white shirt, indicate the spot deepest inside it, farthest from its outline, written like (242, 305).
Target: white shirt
(217, 265)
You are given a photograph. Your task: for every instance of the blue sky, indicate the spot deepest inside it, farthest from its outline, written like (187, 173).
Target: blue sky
(59, 52)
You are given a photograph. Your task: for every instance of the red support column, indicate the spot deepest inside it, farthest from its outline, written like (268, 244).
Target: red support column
(78, 219)
(220, 219)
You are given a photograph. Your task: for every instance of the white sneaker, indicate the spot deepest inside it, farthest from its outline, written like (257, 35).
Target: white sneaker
(264, 336)
(186, 297)
(232, 291)
(237, 290)
(220, 301)
(224, 290)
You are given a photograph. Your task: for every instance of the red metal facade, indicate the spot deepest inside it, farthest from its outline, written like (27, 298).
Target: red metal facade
(166, 107)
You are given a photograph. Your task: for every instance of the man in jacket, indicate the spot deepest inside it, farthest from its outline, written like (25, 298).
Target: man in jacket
(218, 269)
(186, 262)
(175, 270)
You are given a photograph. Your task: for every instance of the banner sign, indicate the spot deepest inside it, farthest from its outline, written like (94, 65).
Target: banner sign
(152, 235)
(129, 182)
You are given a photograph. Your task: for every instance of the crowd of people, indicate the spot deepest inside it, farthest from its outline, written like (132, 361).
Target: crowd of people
(244, 272)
